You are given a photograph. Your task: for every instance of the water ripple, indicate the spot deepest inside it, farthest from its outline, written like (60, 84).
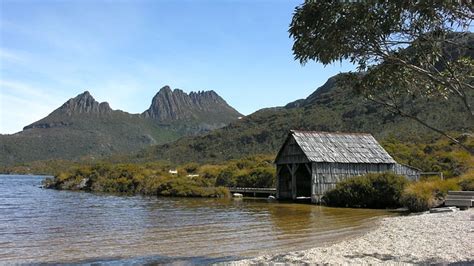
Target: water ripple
(48, 226)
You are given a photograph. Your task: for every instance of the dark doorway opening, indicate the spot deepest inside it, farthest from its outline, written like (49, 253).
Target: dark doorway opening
(284, 183)
(303, 181)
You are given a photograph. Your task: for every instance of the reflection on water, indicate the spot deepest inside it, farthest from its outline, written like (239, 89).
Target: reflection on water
(39, 225)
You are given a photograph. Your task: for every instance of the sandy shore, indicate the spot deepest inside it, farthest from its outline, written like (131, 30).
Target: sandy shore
(425, 238)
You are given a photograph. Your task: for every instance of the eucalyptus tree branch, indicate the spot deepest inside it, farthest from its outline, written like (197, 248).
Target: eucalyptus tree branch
(392, 107)
(440, 81)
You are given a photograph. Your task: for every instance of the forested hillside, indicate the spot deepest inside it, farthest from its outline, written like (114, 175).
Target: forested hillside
(332, 107)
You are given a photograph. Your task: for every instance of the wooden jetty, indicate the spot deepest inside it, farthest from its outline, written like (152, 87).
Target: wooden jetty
(253, 191)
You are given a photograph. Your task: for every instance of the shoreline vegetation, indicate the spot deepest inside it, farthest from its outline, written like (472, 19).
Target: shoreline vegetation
(387, 190)
(415, 239)
(161, 178)
(376, 191)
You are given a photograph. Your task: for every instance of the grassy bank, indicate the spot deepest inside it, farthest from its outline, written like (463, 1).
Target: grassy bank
(431, 192)
(155, 179)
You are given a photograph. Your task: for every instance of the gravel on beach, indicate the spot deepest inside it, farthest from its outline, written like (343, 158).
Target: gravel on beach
(415, 239)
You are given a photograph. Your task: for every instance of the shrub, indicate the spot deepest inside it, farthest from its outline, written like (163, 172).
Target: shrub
(263, 177)
(191, 168)
(423, 195)
(226, 177)
(466, 182)
(258, 177)
(417, 197)
(381, 190)
(210, 171)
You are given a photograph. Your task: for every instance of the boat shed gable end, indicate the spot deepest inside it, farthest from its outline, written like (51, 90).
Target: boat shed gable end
(291, 152)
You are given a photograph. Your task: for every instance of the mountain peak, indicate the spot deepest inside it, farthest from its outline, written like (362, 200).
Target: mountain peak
(174, 105)
(85, 94)
(84, 103)
(165, 89)
(322, 94)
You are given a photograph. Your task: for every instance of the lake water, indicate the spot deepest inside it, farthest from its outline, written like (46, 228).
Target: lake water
(41, 225)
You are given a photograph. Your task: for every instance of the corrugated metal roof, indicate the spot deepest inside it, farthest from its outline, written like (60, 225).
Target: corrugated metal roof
(341, 147)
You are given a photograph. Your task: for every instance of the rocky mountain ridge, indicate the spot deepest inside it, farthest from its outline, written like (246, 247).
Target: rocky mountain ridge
(172, 105)
(84, 127)
(83, 103)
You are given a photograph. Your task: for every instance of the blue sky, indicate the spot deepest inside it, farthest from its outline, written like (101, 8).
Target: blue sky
(123, 52)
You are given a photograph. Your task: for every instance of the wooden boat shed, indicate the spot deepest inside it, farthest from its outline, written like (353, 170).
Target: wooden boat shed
(309, 162)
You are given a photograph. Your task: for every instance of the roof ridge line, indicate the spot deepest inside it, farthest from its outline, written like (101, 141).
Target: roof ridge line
(328, 132)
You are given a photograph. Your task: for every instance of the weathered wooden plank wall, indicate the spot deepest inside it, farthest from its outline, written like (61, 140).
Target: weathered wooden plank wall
(327, 175)
(411, 173)
(291, 153)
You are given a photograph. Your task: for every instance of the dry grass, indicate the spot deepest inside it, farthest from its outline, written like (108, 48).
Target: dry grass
(467, 181)
(426, 194)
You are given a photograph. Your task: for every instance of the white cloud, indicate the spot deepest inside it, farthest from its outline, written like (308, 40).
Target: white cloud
(15, 113)
(7, 55)
(22, 104)
(27, 92)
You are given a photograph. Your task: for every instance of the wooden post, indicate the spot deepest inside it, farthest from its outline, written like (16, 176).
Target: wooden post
(290, 169)
(294, 167)
(293, 185)
(314, 198)
(277, 183)
(316, 183)
(308, 167)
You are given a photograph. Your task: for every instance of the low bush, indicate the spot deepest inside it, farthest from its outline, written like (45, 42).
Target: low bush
(135, 179)
(466, 181)
(254, 171)
(382, 190)
(423, 195)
